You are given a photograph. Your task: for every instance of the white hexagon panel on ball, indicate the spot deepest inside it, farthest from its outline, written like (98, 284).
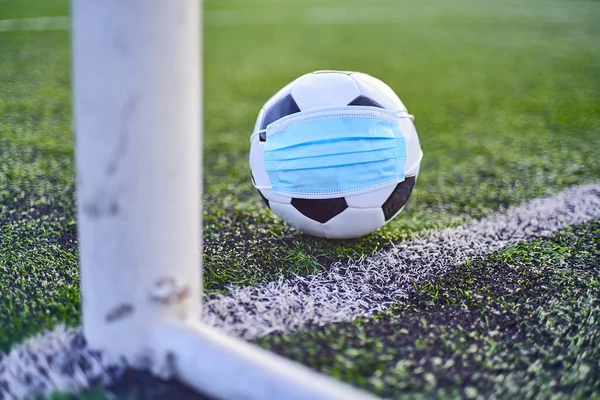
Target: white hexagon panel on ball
(349, 97)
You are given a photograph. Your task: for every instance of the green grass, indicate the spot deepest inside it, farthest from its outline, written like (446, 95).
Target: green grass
(14, 9)
(522, 323)
(505, 94)
(39, 280)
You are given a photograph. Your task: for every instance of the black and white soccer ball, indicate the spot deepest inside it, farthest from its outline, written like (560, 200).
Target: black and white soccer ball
(344, 217)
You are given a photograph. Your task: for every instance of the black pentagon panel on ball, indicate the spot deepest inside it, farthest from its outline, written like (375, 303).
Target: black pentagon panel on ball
(281, 108)
(321, 210)
(398, 198)
(364, 101)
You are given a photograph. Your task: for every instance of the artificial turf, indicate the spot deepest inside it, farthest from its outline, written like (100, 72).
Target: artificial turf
(505, 94)
(522, 323)
(38, 280)
(519, 323)
(135, 385)
(15, 9)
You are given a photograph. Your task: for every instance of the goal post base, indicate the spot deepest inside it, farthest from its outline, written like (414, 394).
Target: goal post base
(224, 367)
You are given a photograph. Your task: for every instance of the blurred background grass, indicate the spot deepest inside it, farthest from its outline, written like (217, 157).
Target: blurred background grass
(505, 94)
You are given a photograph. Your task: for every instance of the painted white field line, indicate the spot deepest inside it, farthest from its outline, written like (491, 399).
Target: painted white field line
(346, 292)
(51, 361)
(344, 14)
(242, 17)
(59, 360)
(35, 24)
(311, 16)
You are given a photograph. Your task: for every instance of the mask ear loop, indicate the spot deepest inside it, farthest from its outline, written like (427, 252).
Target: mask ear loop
(405, 114)
(259, 187)
(262, 135)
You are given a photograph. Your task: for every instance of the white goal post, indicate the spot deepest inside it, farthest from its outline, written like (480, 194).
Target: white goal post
(137, 111)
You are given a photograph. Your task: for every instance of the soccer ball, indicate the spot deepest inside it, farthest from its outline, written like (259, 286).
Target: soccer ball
(342, 217)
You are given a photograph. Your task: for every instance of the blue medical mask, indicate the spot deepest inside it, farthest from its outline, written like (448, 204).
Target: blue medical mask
(334, 152)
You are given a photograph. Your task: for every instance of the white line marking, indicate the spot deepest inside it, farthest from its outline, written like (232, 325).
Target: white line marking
(59, 360)
(241, 17)
(51, 361)
(35, 24)
(346, 292)
(372, 13)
